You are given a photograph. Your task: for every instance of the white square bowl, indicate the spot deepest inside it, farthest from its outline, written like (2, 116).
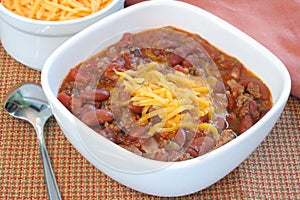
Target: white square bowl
(145, 175)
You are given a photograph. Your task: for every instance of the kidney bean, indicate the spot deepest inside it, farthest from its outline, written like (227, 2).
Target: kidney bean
(231, 117)
(201, 145)
(161, 155)
(180, 137)
(174, 59)
(231, 100)
(73, 73)
(96, 94)
(207, 145)
(81, 111)
(88, 107)
(135, 109)
(127, 60)
(253, 110)
(193, 152)
(76, 104)
(97, 104)
(99, 116)
(220, 123)
(219, 87)
(186, 64)
(245, 123)
(64, 99)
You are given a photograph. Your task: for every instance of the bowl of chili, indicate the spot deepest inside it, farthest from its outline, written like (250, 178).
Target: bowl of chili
(85, 89)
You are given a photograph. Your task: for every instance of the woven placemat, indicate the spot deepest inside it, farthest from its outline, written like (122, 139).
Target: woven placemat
(270, 172)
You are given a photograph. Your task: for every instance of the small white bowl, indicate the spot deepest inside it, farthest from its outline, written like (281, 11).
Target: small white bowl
(145, 175)
(32, 41)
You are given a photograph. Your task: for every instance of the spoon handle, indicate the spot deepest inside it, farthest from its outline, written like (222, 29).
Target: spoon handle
(53, 191)
(51, 183)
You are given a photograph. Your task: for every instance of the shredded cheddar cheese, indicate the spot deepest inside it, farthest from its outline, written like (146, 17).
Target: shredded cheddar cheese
(55, 10)
(178, 99)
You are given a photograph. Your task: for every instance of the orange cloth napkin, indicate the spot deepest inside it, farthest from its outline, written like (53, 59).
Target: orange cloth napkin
(275, 24)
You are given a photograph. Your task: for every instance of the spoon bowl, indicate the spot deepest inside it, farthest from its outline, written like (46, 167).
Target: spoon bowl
(28, 102)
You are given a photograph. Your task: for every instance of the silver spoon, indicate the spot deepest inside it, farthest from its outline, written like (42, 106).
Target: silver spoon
(28, 102)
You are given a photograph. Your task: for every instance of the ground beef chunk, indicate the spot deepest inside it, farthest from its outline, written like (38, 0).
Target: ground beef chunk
(254, 90)
(235, 87)
(226, 136)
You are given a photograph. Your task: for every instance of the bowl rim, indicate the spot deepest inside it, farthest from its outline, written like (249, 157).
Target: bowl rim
(282, 98)
(7, 13)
